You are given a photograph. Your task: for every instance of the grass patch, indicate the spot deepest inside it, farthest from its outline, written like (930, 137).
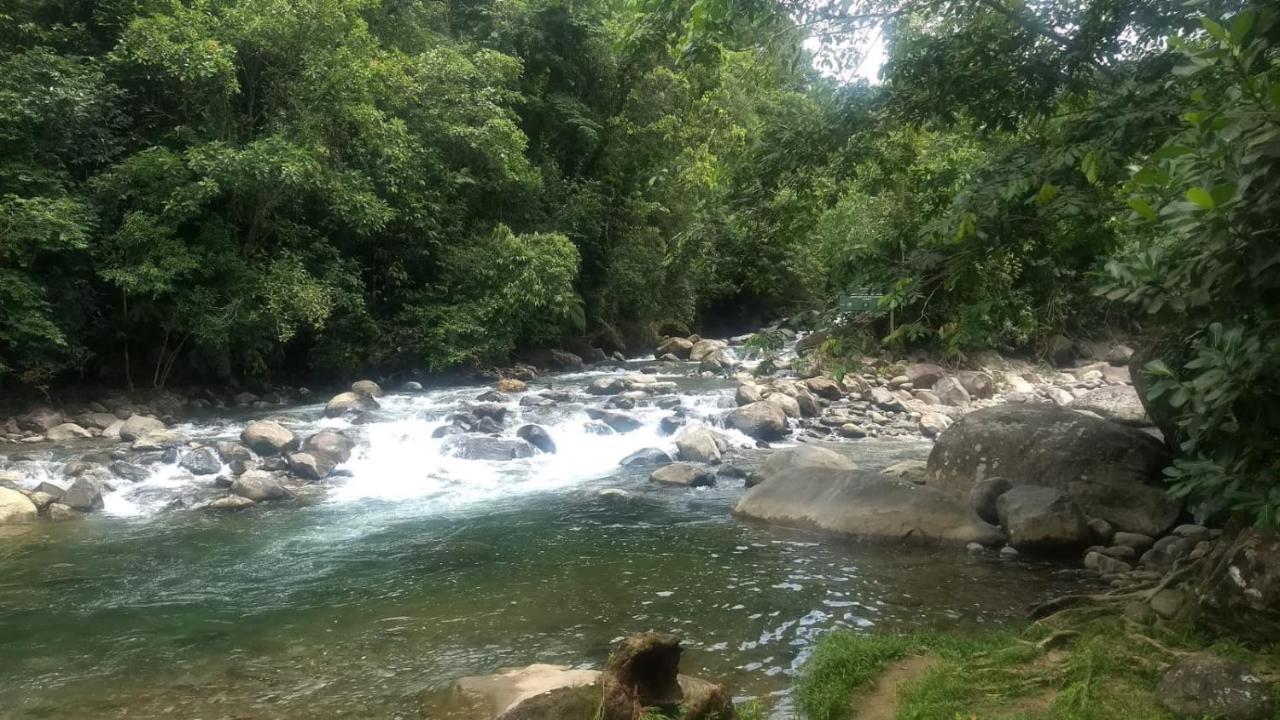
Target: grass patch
(1101, 669)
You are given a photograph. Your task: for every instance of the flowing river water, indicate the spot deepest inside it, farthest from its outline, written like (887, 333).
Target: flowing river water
(414, 569)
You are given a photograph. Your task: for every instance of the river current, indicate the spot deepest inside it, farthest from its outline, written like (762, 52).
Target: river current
(413, 568)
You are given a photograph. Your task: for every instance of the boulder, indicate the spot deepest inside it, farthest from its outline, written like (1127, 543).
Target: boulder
(747, 394)
(1208, 686)
(677, 346)
(1041, 520)
(933, 424)
(308, 466)
(825, 388)
(330, 445)
(511, 385)
(1239, 591)
(349, 403)
(83, 494)
(1109, 471)
(698, 443)
(16, 507)
(646, 456)
(703, 348)
(984, 495)
(368, 388)
(620, 422)
(683, 474)
(866, 505)
(884, 399)
(482, 447)
(230, 502)
(413, 386)
(808, 404)
(98, 420)
(66, 431)
(779, 465)
(537, 436)
(761, 420)
(40, 420)
(951, 392)
(922, 376)
(1059, 350)
(787, 404)
(139, 425)
(913, 471)
(978, 384)
(161, 440)
(611, 385)
(258, 486)
(267, 437)
(1114, 402)
(201, 461)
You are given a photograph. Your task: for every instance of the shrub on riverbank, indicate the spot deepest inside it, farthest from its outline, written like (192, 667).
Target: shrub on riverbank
(1053, 670)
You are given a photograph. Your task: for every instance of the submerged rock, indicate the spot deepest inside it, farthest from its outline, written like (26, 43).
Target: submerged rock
(646, 456)
(259, 486)
(867, 505)
(537, 436)
(683, 474)
(480, 447)
(620, 422)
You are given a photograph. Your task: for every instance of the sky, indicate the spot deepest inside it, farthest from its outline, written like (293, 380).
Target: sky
(873, 57)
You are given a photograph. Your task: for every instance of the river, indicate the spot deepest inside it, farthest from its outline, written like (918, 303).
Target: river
(414, 569)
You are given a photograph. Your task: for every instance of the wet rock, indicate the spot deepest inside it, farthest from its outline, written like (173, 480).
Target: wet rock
(129, 471)
(781, 464)
(308, 466)
(413, 386)
(595, 427)
(984, 497)
(620, 402)
(852, 431)
(676, 346)
(230, 502)
(913, 471)
(138, 426)
(266, 437)
(160, 440)
(698, 444)
(1209, 686)
(84, 495)
(646, 456)
(489, 426)
(491, 396)
(620, 422)
(866, 505)
(368, 388)
(536, 401)
(259, 486)
(537, 436)
(232, 452)
(16, 508)
(478, 447)
(58, 512)
(704, 348)
(331, 446)
(1109, 471)
(607, 386)
(349, 403)
(760, 420)
(66, 431)
(511, 385)
(201, 461)
(683, 474)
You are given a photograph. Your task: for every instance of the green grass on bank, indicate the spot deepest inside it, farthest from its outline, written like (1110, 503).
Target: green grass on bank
(1102, 670)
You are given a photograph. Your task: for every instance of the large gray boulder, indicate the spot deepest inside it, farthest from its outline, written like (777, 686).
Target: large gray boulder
(329, 446)
(84, 495)
(368, 388)
(704, 348)
(922, 376)
(1108, 470)
(1041, 520)
(201, 461)
(786, 403)
(866, 505)
(782, 463)
(267, 437)
(951, 391)
(483, 447)
(537, 436)
(761, 420)
(678, 346)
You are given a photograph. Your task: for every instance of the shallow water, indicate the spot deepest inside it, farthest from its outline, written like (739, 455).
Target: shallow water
(418, 569)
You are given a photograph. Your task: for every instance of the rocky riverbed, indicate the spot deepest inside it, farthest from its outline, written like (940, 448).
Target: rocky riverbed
(553, 510)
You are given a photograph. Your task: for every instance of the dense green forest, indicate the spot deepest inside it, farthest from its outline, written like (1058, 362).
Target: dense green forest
(215, 189)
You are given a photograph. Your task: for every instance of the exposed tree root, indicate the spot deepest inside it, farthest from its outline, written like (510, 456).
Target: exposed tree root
(1144, 592)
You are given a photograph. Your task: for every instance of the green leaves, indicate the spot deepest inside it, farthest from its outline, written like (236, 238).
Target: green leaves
(1201, 197)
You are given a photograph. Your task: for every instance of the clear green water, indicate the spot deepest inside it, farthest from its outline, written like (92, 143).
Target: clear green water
(362, 609)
